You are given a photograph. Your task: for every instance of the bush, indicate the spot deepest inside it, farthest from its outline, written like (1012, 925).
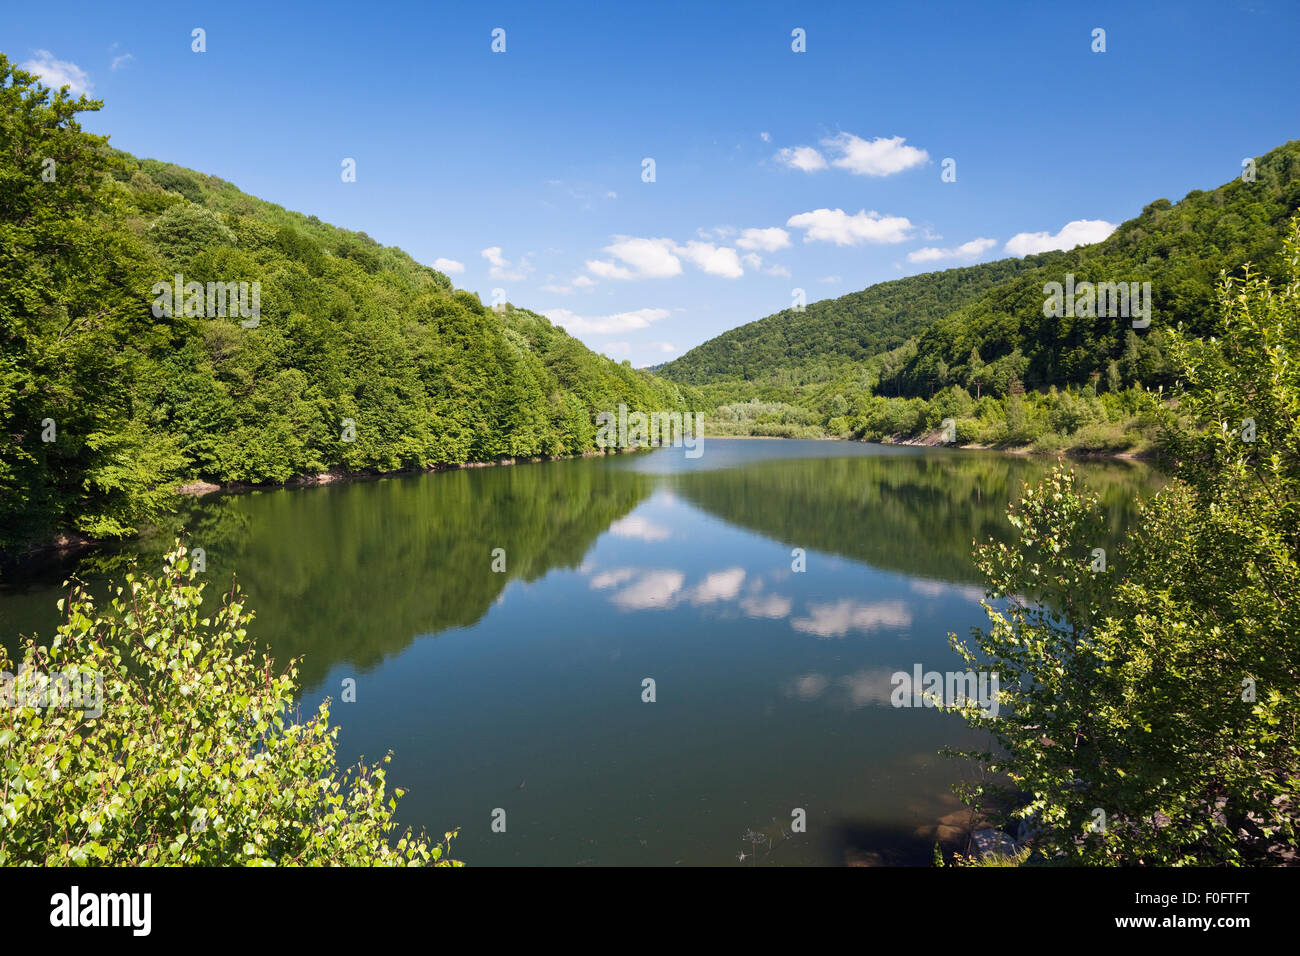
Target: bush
(1050, 443)
(194, 759)
(1101, 437)
(1148, 707)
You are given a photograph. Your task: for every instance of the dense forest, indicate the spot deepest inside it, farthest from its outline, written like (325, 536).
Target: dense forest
(1179, 248)
(974, 343)
(854, 327)
(360, 359)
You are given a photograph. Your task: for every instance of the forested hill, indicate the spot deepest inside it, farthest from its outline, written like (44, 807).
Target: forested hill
(1180, 248)
(853, 327)
(361, 359)
(986, 322)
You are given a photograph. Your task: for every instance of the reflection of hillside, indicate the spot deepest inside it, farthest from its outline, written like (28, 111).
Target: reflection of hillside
(916, 513)
(355, 572)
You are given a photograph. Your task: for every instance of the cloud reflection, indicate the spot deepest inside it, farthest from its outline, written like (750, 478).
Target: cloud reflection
(837, 619)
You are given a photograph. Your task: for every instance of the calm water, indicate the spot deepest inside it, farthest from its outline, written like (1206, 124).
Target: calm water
(523, 690)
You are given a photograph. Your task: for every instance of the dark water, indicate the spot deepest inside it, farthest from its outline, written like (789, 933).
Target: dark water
(522, 690)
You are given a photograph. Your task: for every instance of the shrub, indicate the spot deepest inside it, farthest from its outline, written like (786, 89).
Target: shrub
(195, 758)
(1148, 707)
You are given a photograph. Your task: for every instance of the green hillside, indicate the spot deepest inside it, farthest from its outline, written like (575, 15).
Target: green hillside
(361, 359)
(898, 358)
(997, 307)
(853, 327)
(1179, 248)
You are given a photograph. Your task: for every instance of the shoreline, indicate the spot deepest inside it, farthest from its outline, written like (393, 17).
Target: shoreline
(65, 542)
(70, 542)
(931, 440)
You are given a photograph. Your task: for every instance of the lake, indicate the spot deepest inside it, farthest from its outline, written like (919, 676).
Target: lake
(522, 690)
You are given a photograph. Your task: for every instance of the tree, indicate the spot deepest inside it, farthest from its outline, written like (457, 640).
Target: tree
(975, 371)
(193, 757)
(105, 408)
(1130, 361)
(1114, 381)
(74, 319)
(1150, 707)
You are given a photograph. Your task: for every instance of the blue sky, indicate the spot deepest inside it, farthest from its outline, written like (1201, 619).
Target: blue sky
(774, 170)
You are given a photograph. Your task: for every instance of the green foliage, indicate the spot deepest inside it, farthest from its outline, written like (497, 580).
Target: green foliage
(348, 330)
(74, 322)
(184, 230)
(995, 860)
(1180, 248)
(1072, 420)
(982, 327)
(774, 419)
(851, 328)
(1162, 690)
(196, 757)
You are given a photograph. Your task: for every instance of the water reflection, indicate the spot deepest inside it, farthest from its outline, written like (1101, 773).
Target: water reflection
(772, 683)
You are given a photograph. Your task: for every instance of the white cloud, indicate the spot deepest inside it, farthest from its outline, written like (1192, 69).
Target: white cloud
(873, 686)
(662, 258)
(764, 240)
(876, 157)
(634, 526)
(836, 620)
(615, 349)
(449, 266)
(613, 578)
(929, 588)
(1080, 232)
(715, 260)
(967, 250)
(772, 606)
(666, 347)
(647, 259)
(652, 258)
(655, 589)
(837, 226)
(584, 282)
(605, 324)
(59, 73)
(807, 687)
(717, 232)
(830, 279)
(936, 588)
(608, 270)
(501, 268)
(765, 137)
(802, 157)
(778, 271)
(121, 61)
(882, 156)
(719, 586)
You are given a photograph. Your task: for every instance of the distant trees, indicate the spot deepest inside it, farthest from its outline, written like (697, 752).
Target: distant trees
(983, 326)
(851, 328)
